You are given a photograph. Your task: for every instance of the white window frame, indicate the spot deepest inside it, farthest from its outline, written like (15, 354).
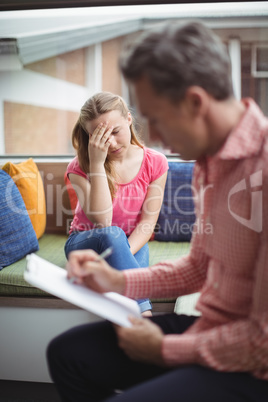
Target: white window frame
(234, 48)
(255, 73)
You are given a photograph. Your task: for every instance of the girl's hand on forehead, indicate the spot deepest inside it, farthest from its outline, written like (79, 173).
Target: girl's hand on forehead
(102, 132)
(98, 144)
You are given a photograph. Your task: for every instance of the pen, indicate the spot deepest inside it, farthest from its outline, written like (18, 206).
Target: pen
(106, 253)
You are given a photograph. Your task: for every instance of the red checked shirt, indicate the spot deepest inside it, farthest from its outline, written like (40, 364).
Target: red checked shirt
(228, 260)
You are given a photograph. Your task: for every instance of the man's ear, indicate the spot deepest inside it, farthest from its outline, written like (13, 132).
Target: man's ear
(197, 100)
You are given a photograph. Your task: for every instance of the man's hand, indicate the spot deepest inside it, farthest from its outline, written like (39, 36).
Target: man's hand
(141, 342)
(85, 267)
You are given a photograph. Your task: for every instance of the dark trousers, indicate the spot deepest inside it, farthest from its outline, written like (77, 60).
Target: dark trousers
(87, 365)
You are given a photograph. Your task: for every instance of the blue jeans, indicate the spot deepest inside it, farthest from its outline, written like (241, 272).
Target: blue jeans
(121, 258)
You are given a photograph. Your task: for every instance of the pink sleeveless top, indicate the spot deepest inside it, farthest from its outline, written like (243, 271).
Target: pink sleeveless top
(129, 198)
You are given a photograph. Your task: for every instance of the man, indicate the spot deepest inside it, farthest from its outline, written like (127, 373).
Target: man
(181, 80)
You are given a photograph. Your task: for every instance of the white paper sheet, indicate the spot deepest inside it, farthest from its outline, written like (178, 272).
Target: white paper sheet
(53, 279)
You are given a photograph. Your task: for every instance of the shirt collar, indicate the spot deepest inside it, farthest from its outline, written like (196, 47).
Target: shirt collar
(245, 140)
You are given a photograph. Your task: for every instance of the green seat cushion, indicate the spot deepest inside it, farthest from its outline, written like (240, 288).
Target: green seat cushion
(12, 283)
(161, 251)
(51, 248)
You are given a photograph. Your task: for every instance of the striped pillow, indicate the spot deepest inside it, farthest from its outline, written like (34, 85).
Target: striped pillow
(17, 236)
(177, 215)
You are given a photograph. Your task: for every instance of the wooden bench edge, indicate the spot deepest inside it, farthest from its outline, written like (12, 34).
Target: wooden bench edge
(56, 303)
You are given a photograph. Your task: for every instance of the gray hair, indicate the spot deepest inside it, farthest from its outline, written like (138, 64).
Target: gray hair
(175, 57)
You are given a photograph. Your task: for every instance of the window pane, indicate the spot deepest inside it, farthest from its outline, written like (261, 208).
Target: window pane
(262, 59)
(254, 87)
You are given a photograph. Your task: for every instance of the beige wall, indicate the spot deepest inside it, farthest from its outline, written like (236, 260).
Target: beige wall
(39, 130)
(68, 66)
(30, 128)
(111, 77)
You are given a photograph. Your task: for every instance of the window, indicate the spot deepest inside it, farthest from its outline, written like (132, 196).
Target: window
(254, 61)
(52, 60)
(259, 60)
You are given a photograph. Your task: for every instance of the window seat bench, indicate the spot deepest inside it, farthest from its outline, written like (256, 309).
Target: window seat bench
(30, 318)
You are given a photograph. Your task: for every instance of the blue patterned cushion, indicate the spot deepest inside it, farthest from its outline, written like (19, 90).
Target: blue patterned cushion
(17, 236)
(176, 218)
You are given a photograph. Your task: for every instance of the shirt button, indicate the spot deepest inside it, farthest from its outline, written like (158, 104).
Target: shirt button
(216, 285)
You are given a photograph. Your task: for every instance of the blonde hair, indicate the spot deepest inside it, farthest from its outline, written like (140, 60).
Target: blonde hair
(98, 104)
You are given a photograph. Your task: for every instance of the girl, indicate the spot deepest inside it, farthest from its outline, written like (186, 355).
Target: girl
(119, 184)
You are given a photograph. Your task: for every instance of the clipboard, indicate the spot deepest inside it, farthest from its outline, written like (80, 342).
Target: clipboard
(53, 279)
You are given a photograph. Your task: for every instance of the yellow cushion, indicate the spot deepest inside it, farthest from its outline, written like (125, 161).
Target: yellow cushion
(29, 182)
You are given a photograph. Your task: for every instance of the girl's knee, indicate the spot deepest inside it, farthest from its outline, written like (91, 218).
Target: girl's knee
(116, 231)
(114, 234)
(96, 239)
